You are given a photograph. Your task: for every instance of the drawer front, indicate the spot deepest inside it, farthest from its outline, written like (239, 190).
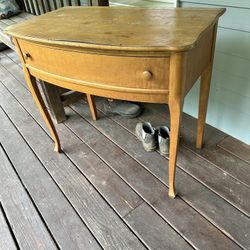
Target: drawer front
(119, 71)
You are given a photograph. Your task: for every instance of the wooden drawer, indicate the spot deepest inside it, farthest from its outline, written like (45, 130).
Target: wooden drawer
(118, 71)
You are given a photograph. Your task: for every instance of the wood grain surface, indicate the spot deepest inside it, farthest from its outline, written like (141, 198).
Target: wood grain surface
(104, 224)
(6, 239)
(143, 66)
(31, 233)
(119, 28)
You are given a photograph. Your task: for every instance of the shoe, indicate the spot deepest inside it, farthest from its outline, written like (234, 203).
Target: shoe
(146, 134)
(163, 140)
(122, 108)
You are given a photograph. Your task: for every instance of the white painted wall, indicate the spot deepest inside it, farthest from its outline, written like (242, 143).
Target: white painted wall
(229, 102)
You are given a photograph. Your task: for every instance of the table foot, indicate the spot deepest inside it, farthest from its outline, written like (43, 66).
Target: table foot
(199, 143)
(171, 194)
(92, 107)
(57, 148)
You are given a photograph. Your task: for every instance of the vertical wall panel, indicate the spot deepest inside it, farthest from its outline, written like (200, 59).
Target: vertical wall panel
(229, 102)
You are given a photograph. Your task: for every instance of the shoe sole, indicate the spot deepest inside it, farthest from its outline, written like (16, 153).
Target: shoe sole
(163, 154)
(148, 150)
(106, 112)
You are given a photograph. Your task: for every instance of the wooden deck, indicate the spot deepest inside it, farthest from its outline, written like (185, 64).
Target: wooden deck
(104, 191)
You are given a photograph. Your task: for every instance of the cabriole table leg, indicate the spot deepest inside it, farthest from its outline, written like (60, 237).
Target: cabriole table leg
(175, 109)
(32, 84)
(31, 81)
(203, 101)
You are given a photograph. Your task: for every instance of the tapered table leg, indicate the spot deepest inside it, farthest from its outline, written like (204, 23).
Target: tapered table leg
(203, 101)
(92, 106)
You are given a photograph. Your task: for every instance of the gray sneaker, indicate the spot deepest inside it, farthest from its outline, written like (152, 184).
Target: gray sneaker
(146, 134)
(122, 108)
(163, 140)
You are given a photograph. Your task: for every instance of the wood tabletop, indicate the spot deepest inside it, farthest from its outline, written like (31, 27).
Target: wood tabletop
(126, 28)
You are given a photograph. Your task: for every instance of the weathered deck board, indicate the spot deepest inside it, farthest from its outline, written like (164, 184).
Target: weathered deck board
(203, 228)
(105, 225)
(152, 191)
(236, 147)
(31, 233)
(122, 198)
(67, 228)
(14, 69)
(13, 56)
(131, 184)
(196, 194)
(92, 176)
(229, 163)
(6, 239)
(146, 222)
(119, 195)
(222, 160)
(202, 170)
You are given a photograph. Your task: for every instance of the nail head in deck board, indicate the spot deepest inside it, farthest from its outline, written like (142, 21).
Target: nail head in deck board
(27, 226)
(102, 221)
(6, 240)
(67, 228)
(157, 233)
(214, 208)
(237, 148)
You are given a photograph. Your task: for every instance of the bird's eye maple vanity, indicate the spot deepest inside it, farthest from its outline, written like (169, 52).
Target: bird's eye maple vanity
(134, 54)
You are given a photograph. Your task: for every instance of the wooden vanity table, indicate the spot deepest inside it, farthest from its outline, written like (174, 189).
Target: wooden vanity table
(134, 54)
